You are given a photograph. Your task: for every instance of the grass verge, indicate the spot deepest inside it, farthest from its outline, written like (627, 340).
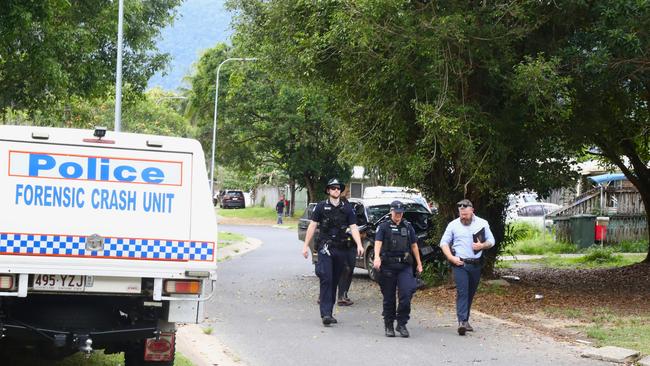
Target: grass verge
(606, 327)
(227, 238)
(249, 213)
(255, 216)
(98, 358)
(631, 333)
(540, 245)
(530, 240)
(615, 260)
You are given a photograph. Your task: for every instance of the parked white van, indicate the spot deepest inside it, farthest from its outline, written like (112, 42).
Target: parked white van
(106, 241)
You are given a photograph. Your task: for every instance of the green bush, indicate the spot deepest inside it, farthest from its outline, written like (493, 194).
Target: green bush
(542, 245)
(524, 230)
(631, 247)
(435, 273)
(600, 256)
(529, 240)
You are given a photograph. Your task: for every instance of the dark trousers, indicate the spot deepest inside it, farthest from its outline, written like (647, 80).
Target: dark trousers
(328, 270)
(346, 275)
(467, 278)
(391, 278)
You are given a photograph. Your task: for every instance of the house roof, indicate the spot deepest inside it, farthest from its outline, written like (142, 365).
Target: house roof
(607, 178)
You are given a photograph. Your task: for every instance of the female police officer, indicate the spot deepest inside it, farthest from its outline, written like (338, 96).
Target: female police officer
(395, 247)
(335, 217)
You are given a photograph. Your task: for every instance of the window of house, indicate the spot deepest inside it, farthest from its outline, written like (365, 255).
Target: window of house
(356, 190)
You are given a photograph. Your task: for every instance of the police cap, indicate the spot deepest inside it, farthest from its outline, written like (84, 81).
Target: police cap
(334, 182)
(397, 206)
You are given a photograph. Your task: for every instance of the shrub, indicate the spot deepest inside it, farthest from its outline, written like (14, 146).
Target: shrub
(435, 273)
(631, 247)
(599, 255)
(524, 230)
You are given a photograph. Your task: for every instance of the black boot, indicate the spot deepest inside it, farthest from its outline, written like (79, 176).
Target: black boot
(390, 330)
(327, 320)
(461, 328)
(401, 328)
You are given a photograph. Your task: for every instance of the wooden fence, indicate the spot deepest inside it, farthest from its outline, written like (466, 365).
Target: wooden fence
(623, 206)
(621, 228)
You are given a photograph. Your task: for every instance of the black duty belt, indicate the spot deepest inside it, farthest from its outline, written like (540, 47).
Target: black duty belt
(334, 244)
(471, 260)
(393, 260)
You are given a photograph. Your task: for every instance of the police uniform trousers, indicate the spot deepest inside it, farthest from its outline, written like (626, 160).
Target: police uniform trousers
(348, 269)
(392, 277)
(328, 270)
(467, 278)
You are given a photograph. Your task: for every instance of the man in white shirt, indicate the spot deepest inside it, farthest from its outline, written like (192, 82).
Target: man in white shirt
(463, 243)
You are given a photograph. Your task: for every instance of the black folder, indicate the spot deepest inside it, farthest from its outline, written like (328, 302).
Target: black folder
(479, 236)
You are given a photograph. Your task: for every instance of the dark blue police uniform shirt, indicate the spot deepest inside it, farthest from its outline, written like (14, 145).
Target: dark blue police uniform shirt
(347, 209)
(385, 231)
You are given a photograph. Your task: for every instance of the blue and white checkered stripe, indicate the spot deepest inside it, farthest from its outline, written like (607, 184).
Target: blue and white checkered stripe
(115, 248)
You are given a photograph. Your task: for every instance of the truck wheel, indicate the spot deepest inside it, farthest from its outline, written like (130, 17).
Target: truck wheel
(134, 356)
(370, 258)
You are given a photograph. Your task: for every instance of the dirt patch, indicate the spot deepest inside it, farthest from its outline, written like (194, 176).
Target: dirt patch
(559, 301)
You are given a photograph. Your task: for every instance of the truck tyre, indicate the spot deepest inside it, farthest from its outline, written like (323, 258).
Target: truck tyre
(134, 356)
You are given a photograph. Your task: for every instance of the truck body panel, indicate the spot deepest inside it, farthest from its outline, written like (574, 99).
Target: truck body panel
(109, 238)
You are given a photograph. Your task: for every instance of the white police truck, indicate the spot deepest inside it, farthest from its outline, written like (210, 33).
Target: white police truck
(106, 241)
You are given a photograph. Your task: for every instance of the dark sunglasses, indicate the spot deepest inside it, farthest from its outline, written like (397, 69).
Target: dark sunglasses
(464, 206)
(335, 188)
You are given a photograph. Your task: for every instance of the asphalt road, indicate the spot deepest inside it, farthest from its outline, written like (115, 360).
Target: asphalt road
(265, 311)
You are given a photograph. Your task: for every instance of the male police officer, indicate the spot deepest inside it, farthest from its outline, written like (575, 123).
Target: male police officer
(463, 243)
(335, 217)
(395, 247)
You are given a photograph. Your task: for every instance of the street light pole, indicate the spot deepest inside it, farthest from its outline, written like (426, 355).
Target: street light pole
(214, 122)
(118, 76)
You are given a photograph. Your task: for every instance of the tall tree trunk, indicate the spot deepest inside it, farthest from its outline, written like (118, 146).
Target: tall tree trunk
(311, 189)
(494, 216)
(639, 176)
(646, 204)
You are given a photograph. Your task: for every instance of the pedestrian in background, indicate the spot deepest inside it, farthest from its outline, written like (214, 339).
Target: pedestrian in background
(287, 208)
(463, 243)
(396, 247)
(333, 217)
(279, 208)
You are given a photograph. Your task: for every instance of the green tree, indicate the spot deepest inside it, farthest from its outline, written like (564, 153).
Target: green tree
(53, 50)
(156, 113)
(267, 121)
(599, 53)
(424, 88)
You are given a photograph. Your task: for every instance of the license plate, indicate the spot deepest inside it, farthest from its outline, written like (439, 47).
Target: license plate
(71, 283)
